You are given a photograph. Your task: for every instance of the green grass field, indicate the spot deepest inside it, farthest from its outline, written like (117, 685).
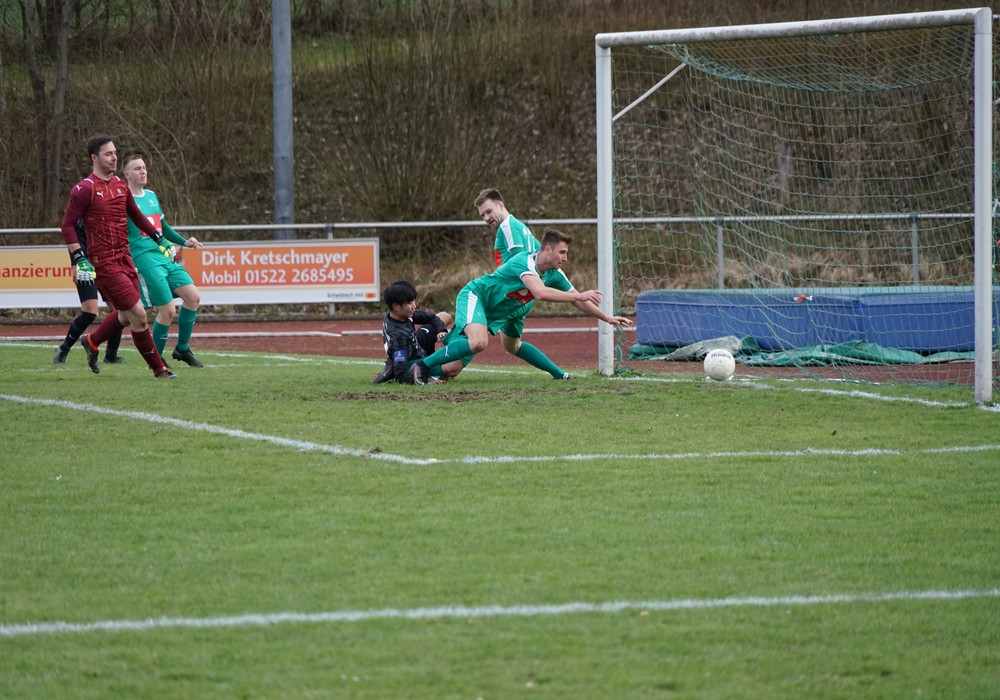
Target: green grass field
(278, 527)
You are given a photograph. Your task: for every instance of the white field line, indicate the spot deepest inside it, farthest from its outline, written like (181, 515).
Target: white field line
(746, 381)
(229, 334)
(287, 334)
(302, 359)
(852, 393)
(489, 611)
(298, 359)
(299, 445)
(338, 450)
(750, 381)
(755, 383)
(878, 397)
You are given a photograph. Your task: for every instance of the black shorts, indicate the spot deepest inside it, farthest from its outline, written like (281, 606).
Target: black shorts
(427, 339)
(87, 292)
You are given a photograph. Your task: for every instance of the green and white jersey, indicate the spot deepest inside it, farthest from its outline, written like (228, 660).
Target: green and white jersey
(513, 237)
(139, 242)
(502, 292)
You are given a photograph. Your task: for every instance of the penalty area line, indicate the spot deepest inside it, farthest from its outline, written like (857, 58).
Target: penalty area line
(307, 446)
(489, 611)
(806, 452)
(300, 445)
(850, 393)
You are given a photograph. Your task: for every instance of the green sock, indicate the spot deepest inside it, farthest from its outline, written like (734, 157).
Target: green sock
(454, 350)
(535, 357)
(185, 326)
(160, 333)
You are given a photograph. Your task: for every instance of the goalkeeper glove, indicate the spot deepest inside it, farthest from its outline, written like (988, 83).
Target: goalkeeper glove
(162, 245)
(85, 272)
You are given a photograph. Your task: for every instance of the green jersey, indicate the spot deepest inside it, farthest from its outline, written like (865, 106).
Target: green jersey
(513, 237)
(502, 293)
(139, 242)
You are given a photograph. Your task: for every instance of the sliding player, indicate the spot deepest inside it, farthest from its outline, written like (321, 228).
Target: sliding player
(513, 237)
(493, 303)
(404, 343)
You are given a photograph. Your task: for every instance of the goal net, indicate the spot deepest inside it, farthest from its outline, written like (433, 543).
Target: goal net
(816, 196)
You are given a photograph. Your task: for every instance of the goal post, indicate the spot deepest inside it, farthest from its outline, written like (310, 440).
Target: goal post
(827, 181)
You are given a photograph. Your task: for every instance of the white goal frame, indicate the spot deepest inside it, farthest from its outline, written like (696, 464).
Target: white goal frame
(980, 18)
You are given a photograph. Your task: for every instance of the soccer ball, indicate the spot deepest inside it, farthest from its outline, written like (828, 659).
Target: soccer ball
(719, 364)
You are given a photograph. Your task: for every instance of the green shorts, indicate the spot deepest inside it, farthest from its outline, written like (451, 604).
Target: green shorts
(469, 309)
(158, 278)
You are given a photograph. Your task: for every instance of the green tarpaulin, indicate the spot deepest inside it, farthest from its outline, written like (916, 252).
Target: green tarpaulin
(746, 351)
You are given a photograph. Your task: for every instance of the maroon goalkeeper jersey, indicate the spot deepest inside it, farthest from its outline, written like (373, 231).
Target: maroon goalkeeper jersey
(105, 207)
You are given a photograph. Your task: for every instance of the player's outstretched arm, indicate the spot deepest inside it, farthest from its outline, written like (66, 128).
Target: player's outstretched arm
(592, 309)
(539, 291)
(171, 235)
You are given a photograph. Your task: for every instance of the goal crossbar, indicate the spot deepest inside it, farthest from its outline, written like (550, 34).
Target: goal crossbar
(982, 21)
(874, 23)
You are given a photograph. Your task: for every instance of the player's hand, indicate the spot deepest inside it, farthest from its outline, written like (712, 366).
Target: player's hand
(193, 242)
(594, 296)
(163, 246)
(620, 321)
(85, 272)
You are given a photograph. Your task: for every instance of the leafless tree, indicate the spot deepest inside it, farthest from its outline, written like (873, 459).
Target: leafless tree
(3, 93)
(48, 23)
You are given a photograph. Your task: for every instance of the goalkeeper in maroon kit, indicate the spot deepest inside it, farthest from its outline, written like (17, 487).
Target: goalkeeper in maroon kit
(105, 204)
(405, 343)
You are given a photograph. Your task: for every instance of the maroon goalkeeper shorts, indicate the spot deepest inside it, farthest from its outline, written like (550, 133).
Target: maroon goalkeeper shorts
(118, 282)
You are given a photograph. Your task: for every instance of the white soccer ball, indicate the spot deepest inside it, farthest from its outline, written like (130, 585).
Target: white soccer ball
(719, 364)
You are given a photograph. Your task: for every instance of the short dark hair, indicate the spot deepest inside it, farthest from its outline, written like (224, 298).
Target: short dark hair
(399, 292)
(489, 193)
(95, 143)
(552, 237)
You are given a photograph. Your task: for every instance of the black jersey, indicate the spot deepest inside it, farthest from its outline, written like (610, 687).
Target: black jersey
(405, 344)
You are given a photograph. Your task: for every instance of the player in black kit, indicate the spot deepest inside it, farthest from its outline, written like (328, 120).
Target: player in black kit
(405, 343)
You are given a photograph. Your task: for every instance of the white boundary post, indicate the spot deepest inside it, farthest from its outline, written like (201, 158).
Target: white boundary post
(983, 140)
(605, 207)
(981, 18)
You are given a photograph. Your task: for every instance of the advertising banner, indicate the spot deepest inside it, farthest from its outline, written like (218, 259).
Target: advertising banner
(343, 270)
(36, 277)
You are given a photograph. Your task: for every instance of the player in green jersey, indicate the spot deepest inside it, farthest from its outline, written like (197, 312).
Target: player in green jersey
(161, 279)
(491, 303)
(512, 238)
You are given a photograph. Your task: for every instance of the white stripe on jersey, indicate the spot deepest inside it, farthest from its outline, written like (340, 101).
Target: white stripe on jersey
(532, 266)
(508, 237)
